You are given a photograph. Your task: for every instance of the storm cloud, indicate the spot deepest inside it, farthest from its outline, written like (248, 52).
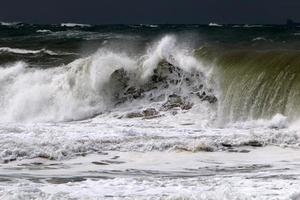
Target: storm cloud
(150, 11)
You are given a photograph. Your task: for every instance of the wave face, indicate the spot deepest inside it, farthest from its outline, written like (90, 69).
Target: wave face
(258, 85)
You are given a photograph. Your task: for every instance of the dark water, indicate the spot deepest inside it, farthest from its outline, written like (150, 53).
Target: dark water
(80, 41)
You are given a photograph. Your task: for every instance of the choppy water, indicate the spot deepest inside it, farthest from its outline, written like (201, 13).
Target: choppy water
(149, 111)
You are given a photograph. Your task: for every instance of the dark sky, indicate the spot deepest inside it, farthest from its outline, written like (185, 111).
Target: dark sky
(150, 11)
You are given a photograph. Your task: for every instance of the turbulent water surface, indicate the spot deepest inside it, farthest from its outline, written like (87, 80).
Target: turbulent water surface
(149, 111)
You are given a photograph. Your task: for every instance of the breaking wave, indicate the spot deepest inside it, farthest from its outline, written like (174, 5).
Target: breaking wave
(98, 83)
(228, 87)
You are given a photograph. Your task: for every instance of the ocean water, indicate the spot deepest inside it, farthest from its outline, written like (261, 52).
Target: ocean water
(149, 111)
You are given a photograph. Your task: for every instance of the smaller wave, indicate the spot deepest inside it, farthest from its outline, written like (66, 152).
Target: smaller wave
(75, 25)
(9, 23)
(215, 24)
(89, 35)
(143, 26)
(253, 26)
(149, 25)
(153, 25)
(248, 26)
(259, 39)
(26, 51)
(44, 31)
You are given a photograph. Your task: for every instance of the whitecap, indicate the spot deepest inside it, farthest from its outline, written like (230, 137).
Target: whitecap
(9, 23)
(215, 24)
(259, 39)
(253, 26)
(44, 31)
(80, 90)
(27, 51)
(75, 25)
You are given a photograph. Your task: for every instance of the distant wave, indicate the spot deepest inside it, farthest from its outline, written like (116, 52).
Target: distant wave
(153, 25)
(74, 25)
(259, 39)
(214, 24)
(248, 26)
(26, 51)
(9, 23)
(89, 35)
(143, 25)
(253, 26)
(44, 31)
(149, 25)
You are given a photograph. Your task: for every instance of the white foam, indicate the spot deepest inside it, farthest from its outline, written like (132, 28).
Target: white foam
(54, 94)
(278, 121)
(263, 173)
(188, 131)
